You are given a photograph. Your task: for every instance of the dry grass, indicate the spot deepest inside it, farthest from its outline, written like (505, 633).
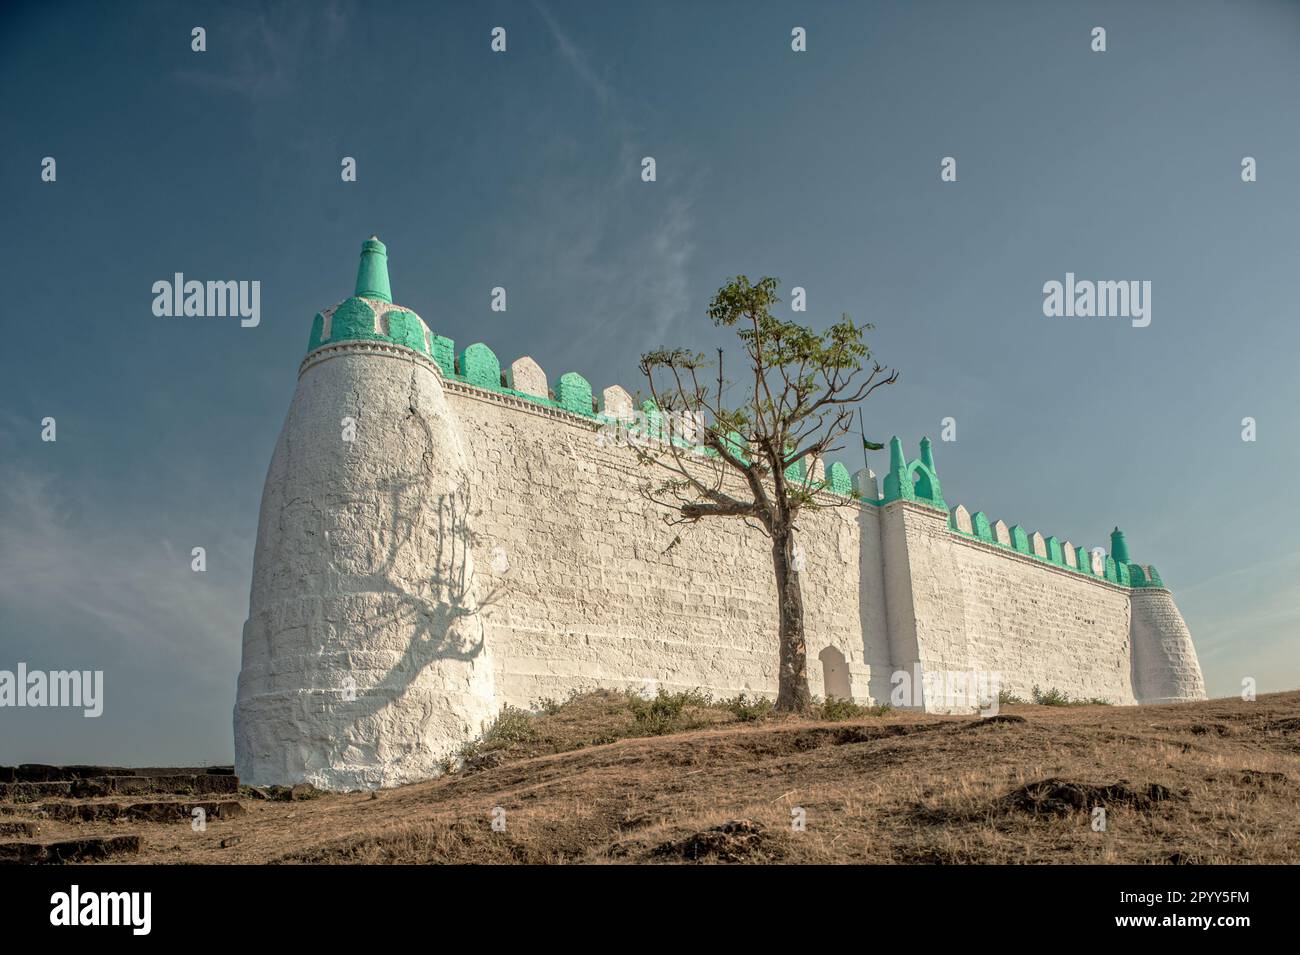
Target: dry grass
(1213, 782)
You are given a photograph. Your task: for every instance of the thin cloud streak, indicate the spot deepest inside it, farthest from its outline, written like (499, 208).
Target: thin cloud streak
(114, 590)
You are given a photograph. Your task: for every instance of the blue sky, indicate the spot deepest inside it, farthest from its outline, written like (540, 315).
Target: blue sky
(522, 170)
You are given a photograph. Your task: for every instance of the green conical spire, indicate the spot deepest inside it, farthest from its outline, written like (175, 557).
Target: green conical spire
(927, 453)
(897, 483)
(897, 462)
(372, 273)
(1118, 546)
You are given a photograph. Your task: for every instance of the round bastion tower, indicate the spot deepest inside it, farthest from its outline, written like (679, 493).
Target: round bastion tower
(1165, 667)
(364, 653)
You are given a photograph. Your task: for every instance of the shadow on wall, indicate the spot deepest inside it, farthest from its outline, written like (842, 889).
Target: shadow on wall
(425, 582)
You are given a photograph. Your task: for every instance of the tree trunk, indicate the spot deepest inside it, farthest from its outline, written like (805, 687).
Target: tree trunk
(792, 681)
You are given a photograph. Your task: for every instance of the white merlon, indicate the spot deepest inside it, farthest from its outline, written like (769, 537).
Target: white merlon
(1037, 544)
(864, 484)
(527, 377)
(617, 403)
(961, 517)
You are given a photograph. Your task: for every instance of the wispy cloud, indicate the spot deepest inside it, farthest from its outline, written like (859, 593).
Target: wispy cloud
(625, 252)
(262, 54)
(1246, 623)
(576, 59)
(112, 588)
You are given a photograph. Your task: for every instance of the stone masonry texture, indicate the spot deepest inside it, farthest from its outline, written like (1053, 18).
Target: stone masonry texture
(469, 548)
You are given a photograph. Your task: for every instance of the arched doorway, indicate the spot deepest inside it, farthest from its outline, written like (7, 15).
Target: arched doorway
(835, 674)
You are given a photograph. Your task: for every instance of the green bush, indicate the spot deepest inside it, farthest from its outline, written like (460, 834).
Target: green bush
(666, 713)
(549, 705)
(835, 710)
(748, 709)
(1055, 697)
(512, 725)
(1051, 697)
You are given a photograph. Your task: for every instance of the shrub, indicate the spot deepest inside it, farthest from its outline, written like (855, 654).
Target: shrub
(748, 709)
(549, 705)
(1051, 697)
(667, 712)
(836, 710)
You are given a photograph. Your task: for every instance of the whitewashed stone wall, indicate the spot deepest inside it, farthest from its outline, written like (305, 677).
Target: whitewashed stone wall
(589, 589)
(364, 657)
(471, 549)
(1040, 625)
(1165, 666)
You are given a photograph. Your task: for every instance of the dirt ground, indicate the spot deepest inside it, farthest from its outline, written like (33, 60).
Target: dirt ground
(1212, 782)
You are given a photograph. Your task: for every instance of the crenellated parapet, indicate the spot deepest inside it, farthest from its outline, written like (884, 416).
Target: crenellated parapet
(370, 315)
(1052, 550)
(451, 487)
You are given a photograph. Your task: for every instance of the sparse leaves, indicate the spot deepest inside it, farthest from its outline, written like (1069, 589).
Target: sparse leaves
(799, 389)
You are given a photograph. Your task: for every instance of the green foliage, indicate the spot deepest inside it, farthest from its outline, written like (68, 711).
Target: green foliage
(776, 342)
(835, 710)
(1054, 697)
(668, 712)
(1051, 697)
(800, 391)
(549, 705)
(799, 386)
(512, 725)
(748, 709)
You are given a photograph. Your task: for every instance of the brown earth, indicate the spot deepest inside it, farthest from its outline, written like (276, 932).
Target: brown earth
(1212, 782)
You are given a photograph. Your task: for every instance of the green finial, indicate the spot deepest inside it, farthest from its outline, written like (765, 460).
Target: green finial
(898, 483)
(1118, 546)
(896, 460)
(927, 454)
(372, 274)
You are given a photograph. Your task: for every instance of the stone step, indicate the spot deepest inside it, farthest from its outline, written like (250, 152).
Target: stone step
(185, 784)
(41, 773)
(72, 850)
(154, 811)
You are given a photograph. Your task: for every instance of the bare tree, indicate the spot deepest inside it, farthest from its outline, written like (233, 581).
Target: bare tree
(800, 391)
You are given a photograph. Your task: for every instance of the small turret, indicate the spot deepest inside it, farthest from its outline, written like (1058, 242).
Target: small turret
(1118, 546)
(372, 273)
(913, 480)
(896, 460)
(927, 453)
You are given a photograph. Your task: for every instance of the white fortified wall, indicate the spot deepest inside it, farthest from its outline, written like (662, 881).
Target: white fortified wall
(589, 587)
(365, 657)
(468, 548)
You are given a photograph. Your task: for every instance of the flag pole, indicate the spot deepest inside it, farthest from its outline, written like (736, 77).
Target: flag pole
(719, 377)
(863, 429)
